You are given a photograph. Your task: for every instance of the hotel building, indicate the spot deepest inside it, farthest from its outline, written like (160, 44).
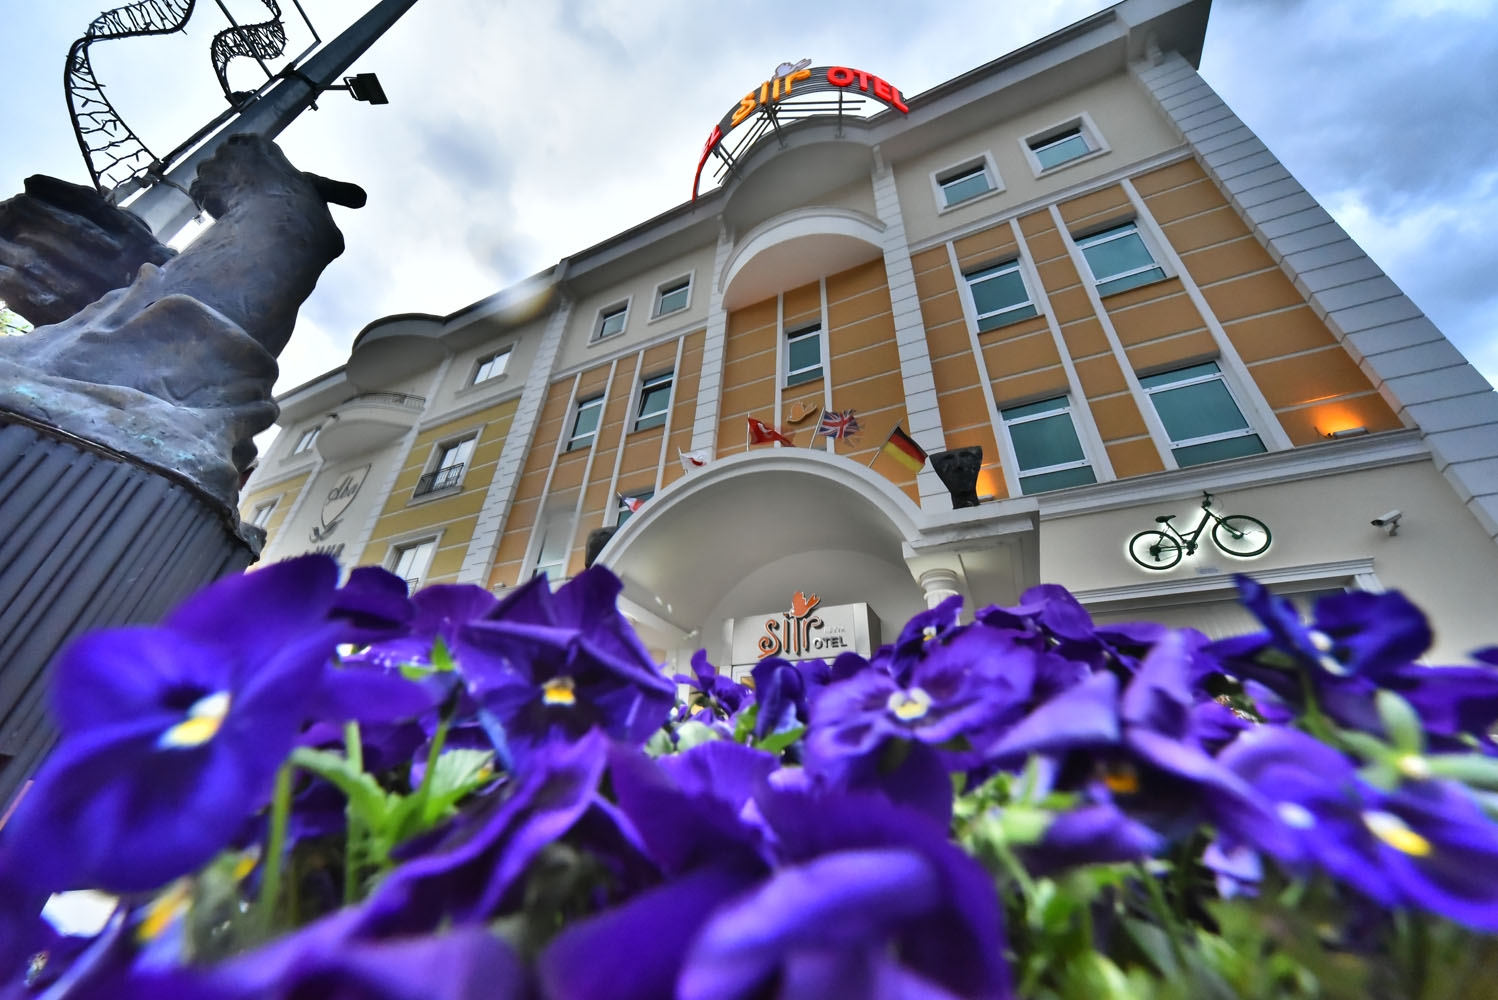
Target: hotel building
(1075, 258)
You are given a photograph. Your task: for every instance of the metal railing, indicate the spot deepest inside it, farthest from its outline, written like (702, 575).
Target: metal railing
(442, 479)
(389, 399)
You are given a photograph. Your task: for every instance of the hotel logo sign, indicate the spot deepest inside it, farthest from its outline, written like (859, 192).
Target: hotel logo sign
(808, 630)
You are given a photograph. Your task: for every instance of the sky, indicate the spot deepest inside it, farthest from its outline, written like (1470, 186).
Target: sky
(521, 131)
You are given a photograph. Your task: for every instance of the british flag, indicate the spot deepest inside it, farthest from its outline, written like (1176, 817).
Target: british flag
(838, 425)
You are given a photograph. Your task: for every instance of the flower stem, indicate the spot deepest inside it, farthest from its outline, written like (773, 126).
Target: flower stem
(353, 828)
(270, 884)
(1167, 916)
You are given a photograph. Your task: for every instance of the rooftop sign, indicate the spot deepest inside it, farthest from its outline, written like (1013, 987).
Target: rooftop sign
(784, 96)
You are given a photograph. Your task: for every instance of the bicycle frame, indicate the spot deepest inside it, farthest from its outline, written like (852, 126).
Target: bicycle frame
(1189, 541)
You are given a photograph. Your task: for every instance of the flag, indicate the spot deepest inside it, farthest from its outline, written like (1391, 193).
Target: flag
(632, 504)
(838, 425)
(694, 459)
(762, 433)
(902, 448)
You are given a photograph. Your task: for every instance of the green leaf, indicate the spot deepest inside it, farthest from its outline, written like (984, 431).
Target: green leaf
(442, 660)
(659, 744)
(1473, 769)
(1401, 722)
(776, 742)
(371, 803)
(1367, 747)
(1023, 825)
(693, 733)
(745, 726)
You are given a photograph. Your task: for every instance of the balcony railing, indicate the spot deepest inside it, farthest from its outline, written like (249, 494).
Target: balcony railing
(390, 399)
(449, 478)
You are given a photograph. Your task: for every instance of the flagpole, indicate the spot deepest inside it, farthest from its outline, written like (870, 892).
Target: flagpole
(880, 450)
(815, 426)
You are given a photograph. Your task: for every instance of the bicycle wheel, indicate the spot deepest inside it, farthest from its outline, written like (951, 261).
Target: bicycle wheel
(1241, 535)
(1154, 550)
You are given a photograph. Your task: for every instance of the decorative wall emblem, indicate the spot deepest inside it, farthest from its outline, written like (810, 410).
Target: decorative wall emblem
(790, 635)
(337, 503)
(1236, 534)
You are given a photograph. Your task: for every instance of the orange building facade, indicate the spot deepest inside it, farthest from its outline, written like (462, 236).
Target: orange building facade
(1073, 268)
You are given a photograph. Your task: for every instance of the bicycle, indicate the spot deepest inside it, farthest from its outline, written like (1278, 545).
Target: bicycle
(1236, 534)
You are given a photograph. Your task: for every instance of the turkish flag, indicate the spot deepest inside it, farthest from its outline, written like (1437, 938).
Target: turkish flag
(762, 433)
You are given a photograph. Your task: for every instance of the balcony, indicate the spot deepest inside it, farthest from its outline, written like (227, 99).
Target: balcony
(366, 422)
(440, 481)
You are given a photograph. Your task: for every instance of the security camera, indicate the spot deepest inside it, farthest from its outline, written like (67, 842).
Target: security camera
(1389, 522)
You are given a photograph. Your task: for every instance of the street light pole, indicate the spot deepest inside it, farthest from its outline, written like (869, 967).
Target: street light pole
(165, 206)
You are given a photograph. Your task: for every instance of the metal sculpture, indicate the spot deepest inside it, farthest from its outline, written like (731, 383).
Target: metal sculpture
(115, 155)
(113, 152)
(262, 41)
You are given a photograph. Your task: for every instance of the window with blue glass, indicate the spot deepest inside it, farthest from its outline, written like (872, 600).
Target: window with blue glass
(1119, 259)
(655, 400)
(1047, 451)
(999, 295)
(1201, 416)
(964, 183)
(803, 355)
(585, 422)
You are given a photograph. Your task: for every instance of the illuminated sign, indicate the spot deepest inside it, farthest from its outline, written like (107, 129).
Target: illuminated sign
(809, 630)
(771, 101)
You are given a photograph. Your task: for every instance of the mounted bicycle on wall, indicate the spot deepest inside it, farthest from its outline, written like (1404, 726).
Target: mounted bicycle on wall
(1236, 534)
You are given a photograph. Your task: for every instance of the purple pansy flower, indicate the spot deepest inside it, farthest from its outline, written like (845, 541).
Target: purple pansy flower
(560, 664)
(720, 695)
(864, 899)
(172, 735)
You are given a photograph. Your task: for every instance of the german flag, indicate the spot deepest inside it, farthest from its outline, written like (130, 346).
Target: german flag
(902, 448)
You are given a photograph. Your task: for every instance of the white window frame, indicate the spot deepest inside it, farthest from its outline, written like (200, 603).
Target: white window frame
(1002, 267)
(608, 312)
(809, 330)
(1115, 231)
(1083, 125)
(1219, 375)
(1021, 474)
(436, 464)
(574, 441)
(669, 378)
(262, 513)
(399, 549)
(945, 175)
(670, 287)
(562, 520)
(308, 439)
(502, 355)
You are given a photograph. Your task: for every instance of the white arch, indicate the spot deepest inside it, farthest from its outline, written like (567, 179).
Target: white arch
(782, 251)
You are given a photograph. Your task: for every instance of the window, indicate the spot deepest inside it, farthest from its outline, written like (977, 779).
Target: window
(585, 422)
(1060, 147)
(447, 474)
(1203, 420)
(655, 400)
(306, 441)
(1046, 447)
(803, 355)
(999, 295)
(262, 514)
(624, 505)
(411, 562)
(1063, 143)
(556, 543)
(965, 182)
(673, 296)
(1119, 259)
(611, 320)
(491, 367)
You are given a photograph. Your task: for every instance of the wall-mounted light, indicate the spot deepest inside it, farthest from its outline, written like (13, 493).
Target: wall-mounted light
(1347, 432)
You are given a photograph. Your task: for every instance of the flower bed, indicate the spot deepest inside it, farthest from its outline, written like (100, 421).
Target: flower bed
(296, 789)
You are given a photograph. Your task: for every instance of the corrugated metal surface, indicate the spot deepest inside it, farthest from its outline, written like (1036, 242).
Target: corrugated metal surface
(86, 541)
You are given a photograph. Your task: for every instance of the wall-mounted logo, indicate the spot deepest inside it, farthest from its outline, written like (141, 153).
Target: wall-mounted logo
(788, 95)
(337, 503)
(791, 634)
(1236, 534)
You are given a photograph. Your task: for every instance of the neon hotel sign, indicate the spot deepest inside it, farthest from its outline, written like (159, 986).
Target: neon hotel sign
(801, 80)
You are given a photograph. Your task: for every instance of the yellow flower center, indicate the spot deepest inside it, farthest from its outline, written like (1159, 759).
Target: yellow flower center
(1412, 765)
(1393, 831)
(907, 706)
(164, 911)
(558, 691)
(204, 718)
(1121, 779)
